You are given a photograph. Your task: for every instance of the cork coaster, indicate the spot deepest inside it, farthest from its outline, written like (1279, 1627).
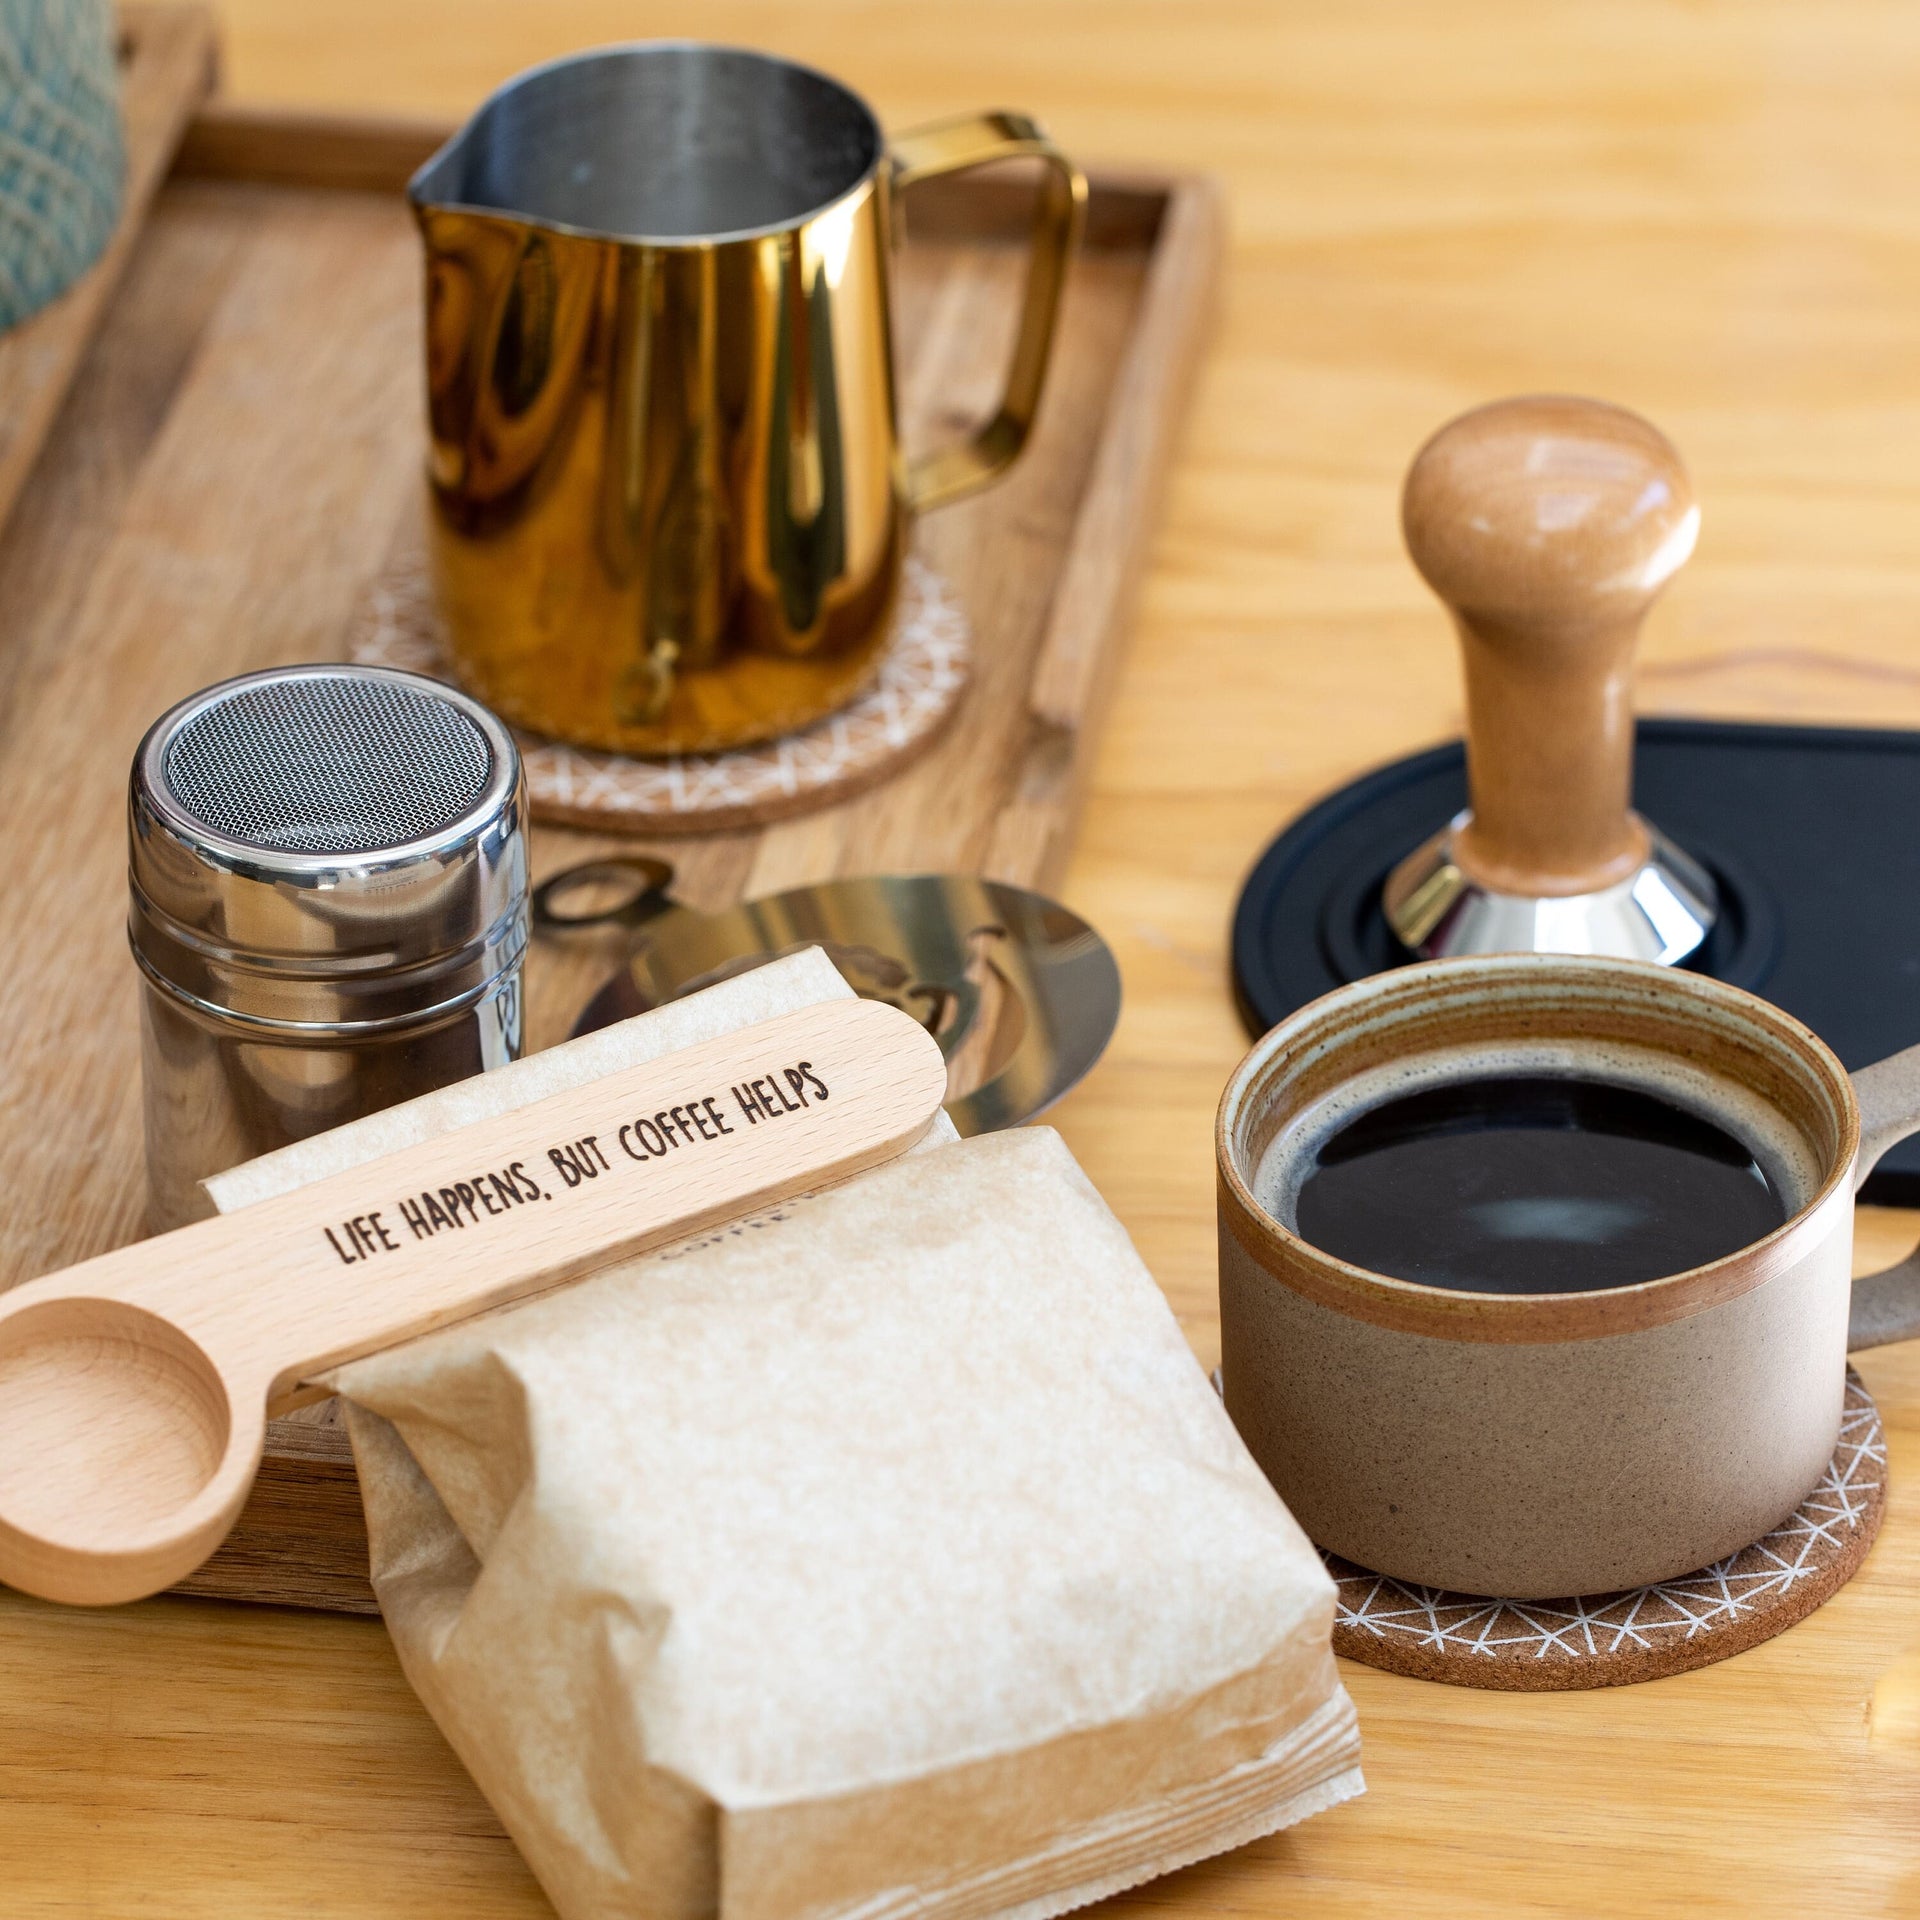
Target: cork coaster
(1615, 1639)
(921, 678)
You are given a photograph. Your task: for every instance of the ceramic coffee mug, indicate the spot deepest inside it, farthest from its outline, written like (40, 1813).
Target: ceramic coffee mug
(1533, 1445)
(669, 503)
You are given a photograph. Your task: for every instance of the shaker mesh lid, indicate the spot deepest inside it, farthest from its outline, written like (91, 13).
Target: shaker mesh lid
(327, 846)
(328, 763)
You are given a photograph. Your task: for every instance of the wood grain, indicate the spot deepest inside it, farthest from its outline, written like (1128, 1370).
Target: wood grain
(211, 537)
(166, 58)
(1702, 211)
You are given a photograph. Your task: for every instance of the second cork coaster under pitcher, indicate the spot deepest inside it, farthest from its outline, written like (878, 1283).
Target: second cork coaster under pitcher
(1615, 1639)
(922, 675)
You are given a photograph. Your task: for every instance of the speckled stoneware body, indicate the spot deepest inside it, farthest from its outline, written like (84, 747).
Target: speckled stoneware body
(1532, 1445)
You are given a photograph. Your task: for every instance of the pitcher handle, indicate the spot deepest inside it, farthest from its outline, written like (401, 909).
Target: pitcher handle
(1886, 1305)
(951, 146)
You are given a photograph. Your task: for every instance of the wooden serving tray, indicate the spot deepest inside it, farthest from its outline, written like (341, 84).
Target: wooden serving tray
(224, 484)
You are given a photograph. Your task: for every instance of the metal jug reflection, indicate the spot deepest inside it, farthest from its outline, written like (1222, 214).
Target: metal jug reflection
(670, 507)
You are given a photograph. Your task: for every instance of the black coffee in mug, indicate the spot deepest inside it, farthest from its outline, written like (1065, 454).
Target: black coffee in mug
(1533, 1184)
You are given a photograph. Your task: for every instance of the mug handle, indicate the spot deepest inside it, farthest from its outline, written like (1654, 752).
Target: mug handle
(1886, 1305)
(951, 146)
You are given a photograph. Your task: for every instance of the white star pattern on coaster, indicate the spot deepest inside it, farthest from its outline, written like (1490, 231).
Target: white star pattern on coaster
(1606, 1639)
(921, 679)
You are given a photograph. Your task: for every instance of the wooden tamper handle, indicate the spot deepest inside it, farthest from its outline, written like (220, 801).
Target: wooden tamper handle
(1548, 525)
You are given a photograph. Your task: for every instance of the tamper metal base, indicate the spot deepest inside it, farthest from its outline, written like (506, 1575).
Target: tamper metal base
(1662, 912)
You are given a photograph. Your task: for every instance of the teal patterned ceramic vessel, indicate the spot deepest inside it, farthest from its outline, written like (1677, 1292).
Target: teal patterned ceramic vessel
(61, 158)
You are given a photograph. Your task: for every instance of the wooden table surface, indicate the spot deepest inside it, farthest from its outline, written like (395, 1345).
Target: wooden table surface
(1705, 209)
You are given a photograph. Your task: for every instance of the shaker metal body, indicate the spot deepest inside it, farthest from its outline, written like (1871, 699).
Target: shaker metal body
(328, 871)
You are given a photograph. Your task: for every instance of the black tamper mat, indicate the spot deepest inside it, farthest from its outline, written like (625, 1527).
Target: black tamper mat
(1810, 833)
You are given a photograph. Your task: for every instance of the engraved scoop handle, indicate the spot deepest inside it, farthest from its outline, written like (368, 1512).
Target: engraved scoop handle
(134, 1388)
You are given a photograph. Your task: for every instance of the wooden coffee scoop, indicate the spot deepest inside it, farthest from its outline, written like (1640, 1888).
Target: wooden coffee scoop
(134, 1388)
(1549, 525)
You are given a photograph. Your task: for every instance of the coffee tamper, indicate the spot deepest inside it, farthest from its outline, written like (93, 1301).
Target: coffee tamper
(1549, 525)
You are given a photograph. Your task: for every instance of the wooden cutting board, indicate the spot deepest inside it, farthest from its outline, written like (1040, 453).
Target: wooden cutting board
(238, 454)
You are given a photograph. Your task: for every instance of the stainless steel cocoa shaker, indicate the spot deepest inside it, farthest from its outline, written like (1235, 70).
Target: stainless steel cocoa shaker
(328, 868)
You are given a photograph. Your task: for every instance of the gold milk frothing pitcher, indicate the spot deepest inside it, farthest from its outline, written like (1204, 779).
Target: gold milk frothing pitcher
(669, 504)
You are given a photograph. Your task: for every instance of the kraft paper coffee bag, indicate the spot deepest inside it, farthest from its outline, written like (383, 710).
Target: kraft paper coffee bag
(886, 1554)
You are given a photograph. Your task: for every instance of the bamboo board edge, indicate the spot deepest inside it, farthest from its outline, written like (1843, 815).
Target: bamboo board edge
(245, 141)
(1078, 661)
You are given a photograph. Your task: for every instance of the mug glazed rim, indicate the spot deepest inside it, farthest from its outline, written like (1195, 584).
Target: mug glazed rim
(1529, 1318)
(422, 202)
